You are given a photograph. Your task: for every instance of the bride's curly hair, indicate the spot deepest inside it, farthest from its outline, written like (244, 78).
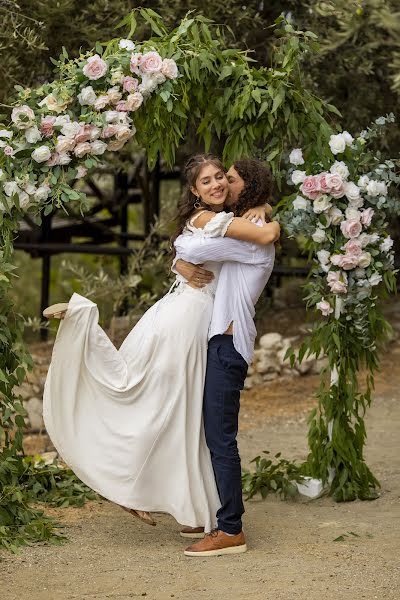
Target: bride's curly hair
(258, 184)
(191, 172)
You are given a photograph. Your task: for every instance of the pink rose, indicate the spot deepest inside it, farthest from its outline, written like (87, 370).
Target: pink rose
(83, 134)
(151, 62)
(310, 187)
(324, 307)
(353, 247)
(351, 228)
(335, 184)
(65, 144)
(134, 101)
(136, 59)
(345, 261)
(109, 131)
(114, 95)
(101, 102)
(9, 151)
(337, 282)
(53, 160)
(124, 132)
(323, 185)
(122, 106)
(366, 216)
(81, 172)
(130, 84)
(95, 67)
(169, 68)
(116, 145)
(47, 126)
(82, 149)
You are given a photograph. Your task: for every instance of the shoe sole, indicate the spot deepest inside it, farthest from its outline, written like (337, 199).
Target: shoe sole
(55, 309)
(221, 552)
(198, 536)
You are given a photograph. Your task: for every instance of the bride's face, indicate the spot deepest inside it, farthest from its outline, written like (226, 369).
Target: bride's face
(211, 186)
(236, 185)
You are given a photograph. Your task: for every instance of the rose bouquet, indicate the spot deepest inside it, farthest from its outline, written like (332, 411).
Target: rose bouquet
(61, 129)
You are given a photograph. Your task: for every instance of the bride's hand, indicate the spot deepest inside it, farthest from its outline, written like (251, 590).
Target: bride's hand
(259, 212)
(195, 275)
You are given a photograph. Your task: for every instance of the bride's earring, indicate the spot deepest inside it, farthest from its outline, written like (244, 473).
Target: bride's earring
(197, 204)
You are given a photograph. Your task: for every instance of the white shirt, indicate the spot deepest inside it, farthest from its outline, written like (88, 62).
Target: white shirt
(244, 273)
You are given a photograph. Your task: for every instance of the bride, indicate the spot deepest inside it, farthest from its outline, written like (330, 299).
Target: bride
(129, 421)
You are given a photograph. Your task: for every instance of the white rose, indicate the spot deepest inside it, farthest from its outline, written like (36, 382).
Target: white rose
(11, 188)
(335, 215)
(87, 97)
(70, 129)
(363, 182)
(169, 68)
(359, 273)
(111, 116)
(300, 203)
(348, 138)
(353, 213)
(64, 144)
(29, 188)
(364, 260)
(337, 143)
(24, 200)
(134, 101)
(117, 76)
(63, 159)
(373, 188)
(351, 190)
(114, 94)
(323, 257)
(375, 279)
(41, 154)
(150, 81)
(94, 133)
(62, 120)
(98, 147)
(356, 203)
(42, 193)
(81, 172)
(319, 235)
(382, 187)
(386, 245)
(82, 149)
(32, 135)
(23, 117)
(340, 168)
(296, 157)
(126, 45)
(322, 204)
(298, 177)
(124, 132)
(4, 133)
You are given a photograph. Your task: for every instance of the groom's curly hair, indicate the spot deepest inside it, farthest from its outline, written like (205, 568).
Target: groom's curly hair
(258, 184)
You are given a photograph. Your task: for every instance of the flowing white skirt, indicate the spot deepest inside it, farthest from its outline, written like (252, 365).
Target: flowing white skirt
(129, 421)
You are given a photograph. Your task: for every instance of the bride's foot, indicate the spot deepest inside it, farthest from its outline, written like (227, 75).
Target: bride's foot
(56, 311)
(141, 514)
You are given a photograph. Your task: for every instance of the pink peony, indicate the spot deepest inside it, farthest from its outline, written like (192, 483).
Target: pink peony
(310, 187)
(351, 228)
(130, 84)
(47, 126)
(151, 62)
(95, 67)
(366, 216)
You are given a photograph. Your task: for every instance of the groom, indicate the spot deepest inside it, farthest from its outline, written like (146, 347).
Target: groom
(231, 343)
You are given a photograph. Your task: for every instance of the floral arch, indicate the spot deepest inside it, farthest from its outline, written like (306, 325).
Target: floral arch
(154, 91)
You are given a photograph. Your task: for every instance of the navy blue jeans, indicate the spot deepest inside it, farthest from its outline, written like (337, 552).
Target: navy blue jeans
(226, 372)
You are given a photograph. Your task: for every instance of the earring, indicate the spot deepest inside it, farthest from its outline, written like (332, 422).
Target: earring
(197, 204)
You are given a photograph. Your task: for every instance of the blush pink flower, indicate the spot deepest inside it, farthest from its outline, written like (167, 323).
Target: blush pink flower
(47, 126)
(82, 149)
(122, 106)
(84, 134)
(109, 131)
(323, 185)
(134, 101)
(324, 307)
(351, 228)
(9, 151)
(101, 102)
(169, 68)
(366, 216)
(130, 84)
(335, 184)
(345, 261)
(151, 62)
(310, 187)
(95, 67)
(136, 59)
(337, 282)
(115, 145)
(353, 247)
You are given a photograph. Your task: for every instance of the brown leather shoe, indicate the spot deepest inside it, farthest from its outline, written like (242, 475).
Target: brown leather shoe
(192, 532)
(217, 543)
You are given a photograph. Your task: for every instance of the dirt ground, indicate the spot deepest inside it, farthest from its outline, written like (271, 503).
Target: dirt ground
(292, 553)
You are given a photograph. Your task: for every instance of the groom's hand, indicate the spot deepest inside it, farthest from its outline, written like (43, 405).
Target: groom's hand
(195, 275)
(257, 213)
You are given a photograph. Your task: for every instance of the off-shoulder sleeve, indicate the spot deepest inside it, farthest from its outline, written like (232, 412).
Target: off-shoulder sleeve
(218, 225)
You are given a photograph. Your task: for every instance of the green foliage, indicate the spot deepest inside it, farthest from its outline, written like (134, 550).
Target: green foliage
(272, 477)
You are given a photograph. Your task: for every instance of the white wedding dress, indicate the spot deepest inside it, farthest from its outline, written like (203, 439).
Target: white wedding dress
(129, 421)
